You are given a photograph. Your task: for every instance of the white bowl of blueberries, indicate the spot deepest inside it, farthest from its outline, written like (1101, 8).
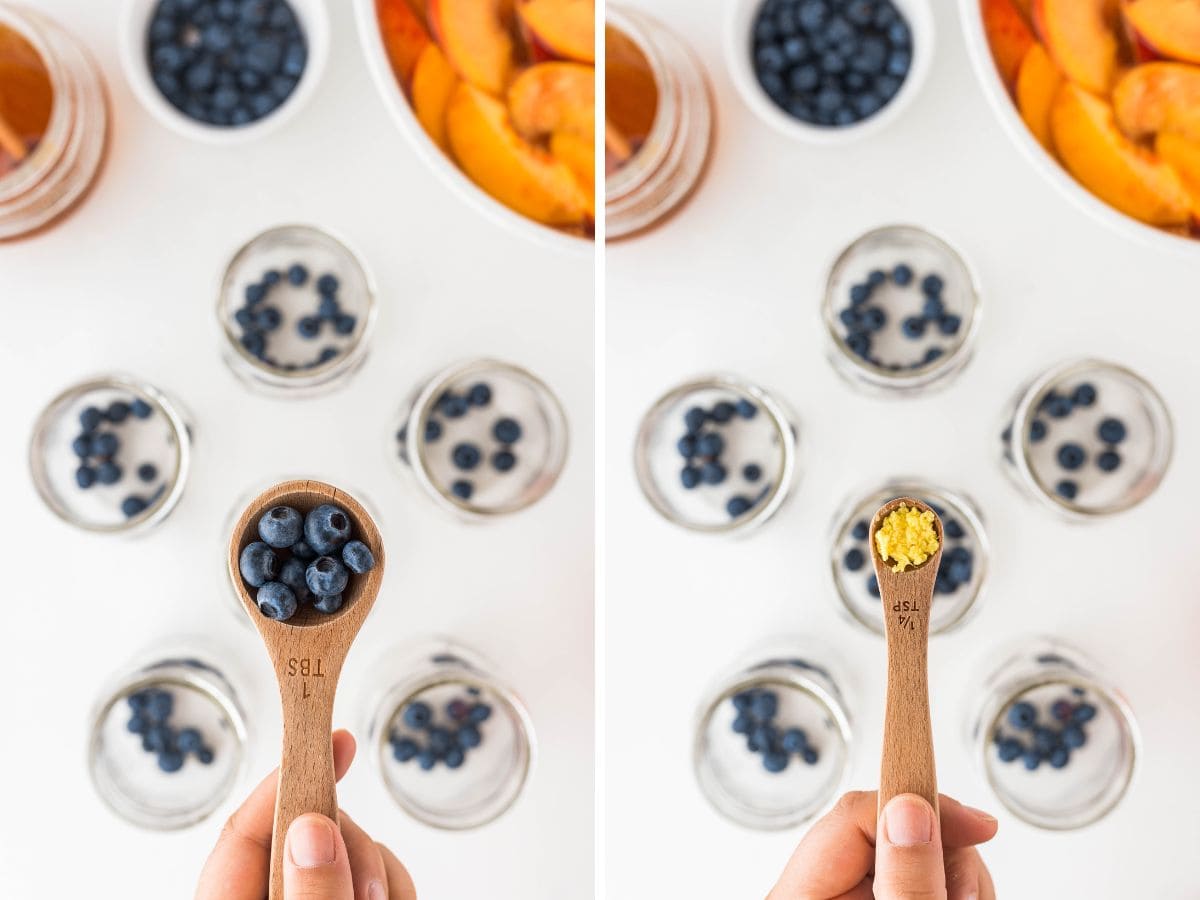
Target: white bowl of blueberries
(223, 71)
(828, 71)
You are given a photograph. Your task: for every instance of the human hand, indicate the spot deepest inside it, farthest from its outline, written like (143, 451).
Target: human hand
(851, 855)
(321, 861)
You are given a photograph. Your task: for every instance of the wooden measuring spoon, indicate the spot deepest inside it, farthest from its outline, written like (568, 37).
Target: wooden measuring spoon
(307, 652)
(907, 766)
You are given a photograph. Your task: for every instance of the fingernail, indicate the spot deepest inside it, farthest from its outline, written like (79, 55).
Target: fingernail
(908, 820)
(310, 842)
(980, 814)
(376, 891)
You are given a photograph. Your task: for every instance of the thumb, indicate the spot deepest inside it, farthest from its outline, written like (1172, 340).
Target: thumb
(908, 852)
(316, 865)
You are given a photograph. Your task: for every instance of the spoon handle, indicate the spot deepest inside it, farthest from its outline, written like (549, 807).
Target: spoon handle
(908, 764)
(306, 777)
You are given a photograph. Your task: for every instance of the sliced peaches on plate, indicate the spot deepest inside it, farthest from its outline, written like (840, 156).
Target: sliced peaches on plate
(1081, 37)
(434, 80)
(1008, 36)
(560, 29)
(404, 36)
(519, 174)
(1159, 96)
(1037, 85)
(1117, 170)
(1169, 28)
(476, 38)
(556, 101)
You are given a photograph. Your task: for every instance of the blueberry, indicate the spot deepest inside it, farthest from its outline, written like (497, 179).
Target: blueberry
(949, 325)
(1109, 461)
(763, 738)
(245, 318)
(268, 318)
(743, 700)
(105, 445)
(710, 444)
(899, 62)
(689, 477)
(427, 759)
(738, 506)
(886, 87)
(1031, 759)
(810, 756)
(108, 472)
(860, 294)
(170, 761)
(277, 601)
(722, 411)
(264, 56)
(1057, 406)
(159, 705)
(503, 460)
(200, 75)
(1037, 431)
(852, 319)
(189, 740)
(480, 394)
(794, 740)
(1112, 431)
(480, 713)
(861, 530)
(686, 446)
(433, 431)
(1022, 715)
(859, 344)
(85, 477)
(832, 62)
(1067, 489)
(328, 605)
(1045, 739)
(746, 409)
(751, 472)
(254, 343)
(345, 324)
(765, 705)
(775, 761)
(712, 473)
(90, 419)
(327, 285)
(292, 574)
(874, 318)
(358, 557)
(829, 100)
(945, 583)
(404, 749)
(507, 431)
(466, 456)
(132, 506)
(440, 740)
(297, 274)
(913, 327)
(1071, 456)
(303, 552)
(137, 724)
(326, 576)
(327, 354)
(811, 15)
(769, 58)
(695, 418)
(262, 103)
(1009, 749)
(954, 530)
(327, 528)
(462, 489)
(309, 327)
(418, 715)
(854, 559)
(258, 564)
(468, 737)
(1074, 737)
(1059, 757)
(294, 59)
(281, 526)
(329, 308)
(743, 723)
(454, 757)
(82, 446)
(1084, 712)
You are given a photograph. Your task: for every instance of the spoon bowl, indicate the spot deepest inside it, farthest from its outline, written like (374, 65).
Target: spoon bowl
(307, 652)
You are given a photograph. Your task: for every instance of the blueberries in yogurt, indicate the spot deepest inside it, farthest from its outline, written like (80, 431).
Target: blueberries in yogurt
(754, 714)
(97, 447)
(150, 713)
(420, 737)
(830, 62)
(1024, 736)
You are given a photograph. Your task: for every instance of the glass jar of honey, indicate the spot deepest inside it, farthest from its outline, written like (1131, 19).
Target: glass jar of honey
(53, 121)
(658, 122)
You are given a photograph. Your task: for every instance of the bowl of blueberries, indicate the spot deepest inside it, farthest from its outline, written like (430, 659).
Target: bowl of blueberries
(828, 71)
(223, 71)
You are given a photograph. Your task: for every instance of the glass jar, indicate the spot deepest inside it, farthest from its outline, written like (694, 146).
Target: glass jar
(652, 177)
(131, 474)
(1076, 743)
(965, 557)
(65, 159)
(144, 765)
(1095, 439)
(925, 332)
(463, 761)
(297, 310)
(492, 438)
(751, 764)
(756, 463)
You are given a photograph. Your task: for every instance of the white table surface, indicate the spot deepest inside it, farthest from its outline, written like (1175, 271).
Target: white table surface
(734, 284)
(129, 284)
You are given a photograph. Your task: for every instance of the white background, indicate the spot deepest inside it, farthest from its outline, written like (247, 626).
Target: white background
(129, 283)
(734, 283)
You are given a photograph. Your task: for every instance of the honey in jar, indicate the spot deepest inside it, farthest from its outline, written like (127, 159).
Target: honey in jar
(26, 99)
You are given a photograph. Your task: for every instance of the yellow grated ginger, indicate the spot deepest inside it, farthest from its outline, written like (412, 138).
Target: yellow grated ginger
(907, 537)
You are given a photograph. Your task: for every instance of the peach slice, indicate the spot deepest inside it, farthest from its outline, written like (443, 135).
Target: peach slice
(554, 97)
(1167, 27)
(1037, 84)
(476, 39)
(1026, 9)
(433, 82)
(1008, 36)
(580, 156)
(1080, 36)
(1159, 96)
(566, 29)
(1183, 156)
(418, 10)
(519, 174)
(1124, 174)
(404, 37)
